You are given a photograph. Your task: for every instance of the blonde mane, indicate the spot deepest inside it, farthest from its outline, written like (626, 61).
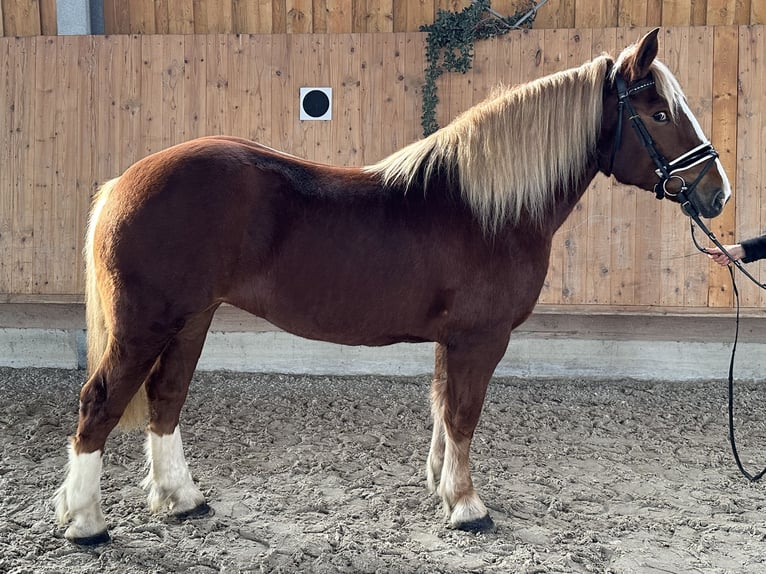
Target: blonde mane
(510, 153)
(513, 150)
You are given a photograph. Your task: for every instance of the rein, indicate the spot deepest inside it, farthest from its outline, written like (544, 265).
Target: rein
(667, 171)
(695, 218)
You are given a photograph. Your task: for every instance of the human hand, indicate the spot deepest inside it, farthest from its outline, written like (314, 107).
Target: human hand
(736, 251)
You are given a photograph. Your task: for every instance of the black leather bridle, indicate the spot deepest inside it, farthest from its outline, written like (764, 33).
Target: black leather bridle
(666, 170)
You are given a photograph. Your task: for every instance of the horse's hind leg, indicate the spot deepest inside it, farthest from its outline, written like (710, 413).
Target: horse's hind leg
(169, 482)
(470, 364)
(103, 399)
(438, 384)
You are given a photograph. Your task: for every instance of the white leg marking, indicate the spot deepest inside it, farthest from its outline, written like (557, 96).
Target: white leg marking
(436, 453)
(169, 482)
(79, 498)
(461, 502)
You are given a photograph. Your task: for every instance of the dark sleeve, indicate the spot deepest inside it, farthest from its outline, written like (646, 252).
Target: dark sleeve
(755, 249)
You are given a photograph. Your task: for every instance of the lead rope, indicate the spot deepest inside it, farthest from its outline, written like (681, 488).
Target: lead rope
(732, 440)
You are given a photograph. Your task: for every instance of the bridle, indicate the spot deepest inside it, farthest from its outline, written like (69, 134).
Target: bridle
(666, 170)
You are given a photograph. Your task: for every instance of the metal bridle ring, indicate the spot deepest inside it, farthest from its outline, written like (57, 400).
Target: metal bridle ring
(665, 185)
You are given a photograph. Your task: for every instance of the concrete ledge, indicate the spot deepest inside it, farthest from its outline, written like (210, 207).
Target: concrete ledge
(551, 344)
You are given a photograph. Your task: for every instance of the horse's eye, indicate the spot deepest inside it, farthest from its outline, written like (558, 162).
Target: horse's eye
(661, 117)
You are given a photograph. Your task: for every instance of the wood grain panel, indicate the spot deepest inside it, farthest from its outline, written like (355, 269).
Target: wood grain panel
(105, 102)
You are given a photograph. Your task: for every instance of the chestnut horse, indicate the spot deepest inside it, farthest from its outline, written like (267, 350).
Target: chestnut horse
(447, 240)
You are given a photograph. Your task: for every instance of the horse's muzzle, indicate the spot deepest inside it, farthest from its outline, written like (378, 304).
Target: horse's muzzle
(707, 209)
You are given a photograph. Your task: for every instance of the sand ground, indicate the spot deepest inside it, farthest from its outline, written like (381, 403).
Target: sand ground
(326, 474)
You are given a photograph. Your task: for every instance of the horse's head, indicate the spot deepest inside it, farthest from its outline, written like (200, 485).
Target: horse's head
(651, 139)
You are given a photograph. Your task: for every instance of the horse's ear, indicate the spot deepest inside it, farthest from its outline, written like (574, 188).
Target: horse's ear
(646, 52)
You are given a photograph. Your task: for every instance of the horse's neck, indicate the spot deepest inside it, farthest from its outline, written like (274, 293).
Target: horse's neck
(567, 202)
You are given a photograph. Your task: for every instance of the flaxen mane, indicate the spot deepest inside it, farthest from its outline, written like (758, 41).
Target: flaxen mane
(494, 147)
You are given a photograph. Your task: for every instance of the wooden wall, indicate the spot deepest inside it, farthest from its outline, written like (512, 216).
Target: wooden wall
(79, 110)
(27, 17)
(38, 17)
(343, 16)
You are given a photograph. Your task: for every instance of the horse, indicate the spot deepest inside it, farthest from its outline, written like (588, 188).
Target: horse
(447, 240)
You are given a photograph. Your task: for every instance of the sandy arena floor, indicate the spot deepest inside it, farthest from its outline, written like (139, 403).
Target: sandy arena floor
(326, 474)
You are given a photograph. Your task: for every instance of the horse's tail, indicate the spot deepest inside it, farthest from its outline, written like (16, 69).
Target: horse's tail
(136, 413)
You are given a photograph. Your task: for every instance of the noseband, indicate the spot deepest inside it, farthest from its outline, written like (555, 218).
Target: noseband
(666, 170)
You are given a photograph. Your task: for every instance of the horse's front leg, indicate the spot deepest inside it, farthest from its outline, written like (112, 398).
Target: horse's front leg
(470, 364)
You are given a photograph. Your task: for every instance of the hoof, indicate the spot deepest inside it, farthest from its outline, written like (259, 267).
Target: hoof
(198, 511)
(95, 540)
(484, 524)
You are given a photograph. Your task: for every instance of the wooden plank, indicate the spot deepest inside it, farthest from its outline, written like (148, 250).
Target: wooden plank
(48, 21)
(252, 16)
(339, 16)
(391, 49)
(720, 12)
(130, 128)
(380, 16)
(419, 12)
(758, 56)
(172, 90)
(175, 17)
(44, 191)
(654, 12)
(21, 18)
(697, 84)
(142, 17)
(399, 15)
(698, 13)
(622, 240)
(278, 17)
(217, 85)
(151, 94)
(280, 80)
(676, 12)
(598, 201)
(299, 16)
(305, 133)
(195, 86)
(632, 13)
(201, 25)
(2, 26)
(757, 12)
(551, 15)
(674, 52)
(257, 73)
(344, 75)
(107, 78)
(319, 16)
(238, 113)
(119, 19)
(75, 213)
(743, 10)
(414, 64)
(724, 137)
(371, 119)
(22, 112)
(572, 238)
(750, 145)
(596, 14)
(554, 59)
(6, 175)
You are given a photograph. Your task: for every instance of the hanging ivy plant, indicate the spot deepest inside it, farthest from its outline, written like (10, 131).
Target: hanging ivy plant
(449, 46)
